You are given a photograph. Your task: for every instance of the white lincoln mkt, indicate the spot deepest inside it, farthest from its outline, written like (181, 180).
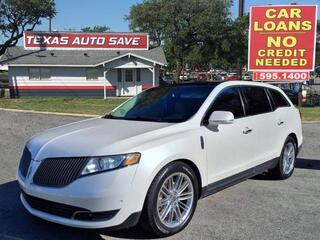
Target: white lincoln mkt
(152, 158)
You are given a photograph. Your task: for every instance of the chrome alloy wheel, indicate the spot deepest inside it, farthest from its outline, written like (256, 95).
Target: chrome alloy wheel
(288, 158)
(175, 200)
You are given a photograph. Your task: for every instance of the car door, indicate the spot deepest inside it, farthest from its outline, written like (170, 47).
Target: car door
(281, 118)
(227, 146)
(262, 120)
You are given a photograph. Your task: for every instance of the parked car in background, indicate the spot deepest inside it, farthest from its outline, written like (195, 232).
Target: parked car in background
(222, 76)
(193, 75)
(202, 77)
(184, 76)
(317, 71)
(153, 157)
(214, 77)
(211, 71)
(293, 96)
(166, 80)
(232, 77)
(246, 76)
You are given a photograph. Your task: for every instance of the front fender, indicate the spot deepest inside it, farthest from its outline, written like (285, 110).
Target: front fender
(157, 154)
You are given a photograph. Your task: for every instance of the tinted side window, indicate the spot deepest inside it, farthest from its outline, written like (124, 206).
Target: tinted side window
(229, 100)
(278, 99)
(256, 100)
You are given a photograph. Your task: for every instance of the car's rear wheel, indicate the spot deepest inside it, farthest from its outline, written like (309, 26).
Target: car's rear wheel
(287, 160)
(171, 200)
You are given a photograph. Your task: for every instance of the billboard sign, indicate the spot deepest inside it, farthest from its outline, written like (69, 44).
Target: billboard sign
(281, 76)
(83, 41)
(282, 40)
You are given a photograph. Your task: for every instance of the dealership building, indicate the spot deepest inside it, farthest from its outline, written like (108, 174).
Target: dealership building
(86, 71)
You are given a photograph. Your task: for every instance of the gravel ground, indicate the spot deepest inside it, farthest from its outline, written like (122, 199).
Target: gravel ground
(254, 209)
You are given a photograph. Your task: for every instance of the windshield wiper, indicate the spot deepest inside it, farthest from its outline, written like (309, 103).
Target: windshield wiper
(109, 116)
(142, 119)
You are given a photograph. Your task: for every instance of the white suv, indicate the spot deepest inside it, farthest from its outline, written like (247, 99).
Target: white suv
(155, 155)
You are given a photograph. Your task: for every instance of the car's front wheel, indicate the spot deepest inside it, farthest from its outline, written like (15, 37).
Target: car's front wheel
(171, 200)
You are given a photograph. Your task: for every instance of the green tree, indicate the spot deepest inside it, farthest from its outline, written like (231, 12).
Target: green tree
(97, 29)
(196, 57)
(184, 27)
(238, 42)
(17, 16)
(148, 17)
(318, 44)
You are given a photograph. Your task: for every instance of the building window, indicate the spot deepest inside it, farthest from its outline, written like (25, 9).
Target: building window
(39, 74)
(129, 75)
(93, 73)
(34, 73)
(45, 73)
(119, 75)
(138, 75)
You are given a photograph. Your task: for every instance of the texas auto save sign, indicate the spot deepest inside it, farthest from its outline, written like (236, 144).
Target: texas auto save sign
(282, 41)
(97, 41)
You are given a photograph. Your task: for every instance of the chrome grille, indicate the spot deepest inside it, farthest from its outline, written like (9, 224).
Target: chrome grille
(25, 162)
(59, 172)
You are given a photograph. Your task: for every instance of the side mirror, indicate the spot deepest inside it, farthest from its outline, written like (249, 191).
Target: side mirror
(221, 117)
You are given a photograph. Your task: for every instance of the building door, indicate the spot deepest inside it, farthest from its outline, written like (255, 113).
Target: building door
(129, 87)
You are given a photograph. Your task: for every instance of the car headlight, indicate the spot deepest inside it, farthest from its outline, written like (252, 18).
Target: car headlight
(99, 164)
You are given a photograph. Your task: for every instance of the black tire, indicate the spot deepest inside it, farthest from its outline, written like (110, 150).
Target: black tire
(278, 172)
(150, 219)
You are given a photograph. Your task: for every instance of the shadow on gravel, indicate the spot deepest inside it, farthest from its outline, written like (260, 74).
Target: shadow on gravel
(16, 223)
(312, 164)
(302, 163)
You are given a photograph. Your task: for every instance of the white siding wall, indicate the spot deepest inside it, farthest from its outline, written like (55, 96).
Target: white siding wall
(112, 77)
(69, 76)
(72, 76)
(76, 76)
(131, 62)
(18, 76)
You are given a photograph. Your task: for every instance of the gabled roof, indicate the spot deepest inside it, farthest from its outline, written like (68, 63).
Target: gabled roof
(18, 56)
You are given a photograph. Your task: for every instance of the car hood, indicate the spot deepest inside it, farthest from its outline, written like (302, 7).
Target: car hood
(93, 137)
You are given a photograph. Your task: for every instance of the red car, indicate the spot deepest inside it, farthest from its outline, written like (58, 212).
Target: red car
(202, 77)
(232, 77)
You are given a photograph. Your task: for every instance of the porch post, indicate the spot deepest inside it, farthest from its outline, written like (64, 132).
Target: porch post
(154, 75)
(105, 84)
(153, 70)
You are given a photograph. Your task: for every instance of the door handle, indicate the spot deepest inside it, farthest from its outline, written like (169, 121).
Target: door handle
(280, 122)
(247, 130)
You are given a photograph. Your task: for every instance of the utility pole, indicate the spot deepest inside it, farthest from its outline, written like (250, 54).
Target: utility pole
(241, 11)
(241, 7)
(50, 24)
(50, 18)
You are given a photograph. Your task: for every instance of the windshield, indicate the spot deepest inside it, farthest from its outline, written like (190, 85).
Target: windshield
(164, 104)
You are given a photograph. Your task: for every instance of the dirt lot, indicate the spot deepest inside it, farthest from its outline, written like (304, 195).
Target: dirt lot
(254, 209)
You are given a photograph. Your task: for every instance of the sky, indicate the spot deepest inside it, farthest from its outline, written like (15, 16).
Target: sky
(72, 15)
(76, 14)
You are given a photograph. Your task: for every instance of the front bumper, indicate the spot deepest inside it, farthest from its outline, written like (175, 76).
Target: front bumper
(104, 192)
